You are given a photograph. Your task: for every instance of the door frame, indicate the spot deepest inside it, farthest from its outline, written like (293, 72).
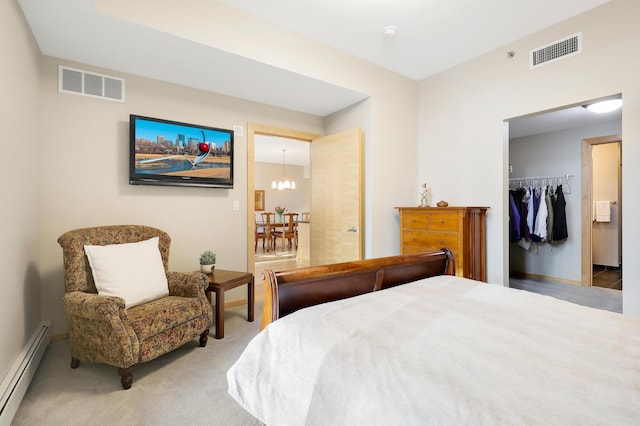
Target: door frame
(267, 130)
(587, 204)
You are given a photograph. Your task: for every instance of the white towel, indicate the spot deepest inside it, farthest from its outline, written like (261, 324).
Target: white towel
(603, 211)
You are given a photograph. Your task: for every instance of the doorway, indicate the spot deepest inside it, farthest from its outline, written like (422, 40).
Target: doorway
(336, 194)
(252, 131)
(601, 212)
(561, 132)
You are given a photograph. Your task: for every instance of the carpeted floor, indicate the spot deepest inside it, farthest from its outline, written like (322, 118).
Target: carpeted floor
(185, 387)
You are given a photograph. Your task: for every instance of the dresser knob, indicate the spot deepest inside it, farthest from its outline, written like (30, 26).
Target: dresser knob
(442, 242)
(442, 221)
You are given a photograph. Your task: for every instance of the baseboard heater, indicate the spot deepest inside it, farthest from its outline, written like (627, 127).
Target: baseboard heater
(17, 380)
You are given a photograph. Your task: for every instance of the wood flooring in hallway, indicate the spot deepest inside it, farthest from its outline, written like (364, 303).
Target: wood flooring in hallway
(607, 277)
(278, 260)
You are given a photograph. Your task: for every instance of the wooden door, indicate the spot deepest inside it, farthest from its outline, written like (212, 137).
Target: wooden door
(336, 198)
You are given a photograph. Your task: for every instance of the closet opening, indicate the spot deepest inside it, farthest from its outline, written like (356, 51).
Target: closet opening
(552, 153)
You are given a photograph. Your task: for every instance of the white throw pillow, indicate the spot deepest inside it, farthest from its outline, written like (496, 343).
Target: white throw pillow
(133, 271)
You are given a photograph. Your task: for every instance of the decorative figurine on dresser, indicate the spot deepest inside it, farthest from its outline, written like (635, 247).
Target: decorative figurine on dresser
(424, 195)
(461, 229)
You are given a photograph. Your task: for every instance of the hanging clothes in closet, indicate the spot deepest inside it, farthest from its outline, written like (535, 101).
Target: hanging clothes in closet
(560, 232)
(537, 214)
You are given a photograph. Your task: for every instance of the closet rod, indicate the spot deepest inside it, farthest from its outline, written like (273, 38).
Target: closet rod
(565, 177)
(532, 180)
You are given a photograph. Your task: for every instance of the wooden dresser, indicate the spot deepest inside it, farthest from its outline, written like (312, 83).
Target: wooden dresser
(461, 229)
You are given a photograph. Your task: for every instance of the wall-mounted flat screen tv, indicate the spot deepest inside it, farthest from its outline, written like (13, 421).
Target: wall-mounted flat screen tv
(165, 152)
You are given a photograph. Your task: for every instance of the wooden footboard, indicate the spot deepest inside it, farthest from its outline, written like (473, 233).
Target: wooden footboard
(288, 291)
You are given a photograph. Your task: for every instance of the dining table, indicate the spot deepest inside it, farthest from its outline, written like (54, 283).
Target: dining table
(273, 225)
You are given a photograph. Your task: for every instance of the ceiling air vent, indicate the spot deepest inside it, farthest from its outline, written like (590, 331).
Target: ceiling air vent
(87, 83)
(559, 49)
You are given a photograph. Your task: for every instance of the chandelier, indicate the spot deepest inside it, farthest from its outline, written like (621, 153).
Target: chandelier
(284, 184)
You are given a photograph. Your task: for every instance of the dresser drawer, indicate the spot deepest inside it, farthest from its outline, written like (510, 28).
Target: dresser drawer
(414, 220)
(431, 240)
(431, 220)
(443, 221)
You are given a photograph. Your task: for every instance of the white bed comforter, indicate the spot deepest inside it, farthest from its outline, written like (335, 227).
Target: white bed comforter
(443, 351)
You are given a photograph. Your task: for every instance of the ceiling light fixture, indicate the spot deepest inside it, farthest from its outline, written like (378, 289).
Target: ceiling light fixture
(390, 31)
(284, 184)
(604, 106)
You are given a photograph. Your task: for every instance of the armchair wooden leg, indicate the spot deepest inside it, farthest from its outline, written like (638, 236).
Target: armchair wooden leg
(204, 337)
(126, 375)
(75, 362)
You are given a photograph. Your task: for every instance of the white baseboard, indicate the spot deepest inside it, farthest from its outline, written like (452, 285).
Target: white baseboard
(17, 380)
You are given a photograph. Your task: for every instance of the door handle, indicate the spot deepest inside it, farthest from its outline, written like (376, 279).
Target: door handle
(353, 229)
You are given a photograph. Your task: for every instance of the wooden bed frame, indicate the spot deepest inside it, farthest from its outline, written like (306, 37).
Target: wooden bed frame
(288, 291)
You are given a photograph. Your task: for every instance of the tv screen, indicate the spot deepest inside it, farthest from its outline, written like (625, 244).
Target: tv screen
(164, 152)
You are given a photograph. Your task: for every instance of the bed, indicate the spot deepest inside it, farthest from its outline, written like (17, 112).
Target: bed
(402, 340)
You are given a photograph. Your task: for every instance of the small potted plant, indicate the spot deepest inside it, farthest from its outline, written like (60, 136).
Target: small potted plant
(207, 262)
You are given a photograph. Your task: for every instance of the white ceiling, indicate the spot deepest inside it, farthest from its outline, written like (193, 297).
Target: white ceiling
(432, 36)
(75, 31)
(566, 118)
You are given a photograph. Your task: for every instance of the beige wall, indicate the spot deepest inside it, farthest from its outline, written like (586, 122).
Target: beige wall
(85, 169)
(388, 117)
(19, 191)
(463, 143)
(84, 181)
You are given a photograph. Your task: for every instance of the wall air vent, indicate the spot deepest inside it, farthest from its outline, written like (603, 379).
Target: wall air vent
(87, 83)
(559, 49)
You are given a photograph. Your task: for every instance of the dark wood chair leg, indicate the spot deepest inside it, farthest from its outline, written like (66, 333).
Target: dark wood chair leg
(204, 337)
(126, 375)
(75, 362)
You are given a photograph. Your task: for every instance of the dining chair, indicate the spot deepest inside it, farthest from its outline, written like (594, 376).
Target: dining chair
(260, 233)
(267, 221)
(289, 231)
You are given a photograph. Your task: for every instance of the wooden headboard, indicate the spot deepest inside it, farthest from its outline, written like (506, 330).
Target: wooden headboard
(288, 291)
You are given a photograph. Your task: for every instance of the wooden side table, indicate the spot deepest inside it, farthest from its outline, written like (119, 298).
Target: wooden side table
(222, 280)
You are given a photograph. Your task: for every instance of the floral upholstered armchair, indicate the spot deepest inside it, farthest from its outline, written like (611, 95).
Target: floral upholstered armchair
(110, 328)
